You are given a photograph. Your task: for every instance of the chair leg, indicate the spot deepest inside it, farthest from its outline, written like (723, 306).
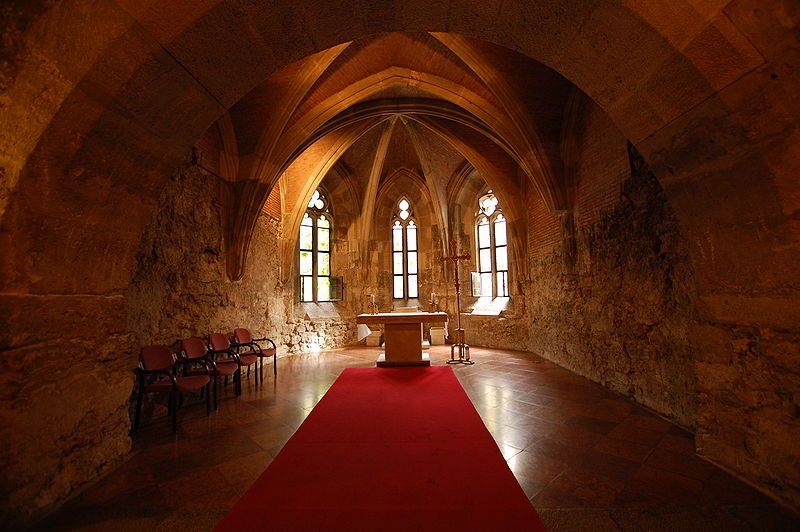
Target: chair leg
(216, 387)
(173, 399)
(138, 412)
(261, 369)
(275, 365)
(207, 393)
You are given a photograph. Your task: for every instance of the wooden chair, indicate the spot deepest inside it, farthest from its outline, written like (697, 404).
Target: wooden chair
(243, 339)
(159, 362)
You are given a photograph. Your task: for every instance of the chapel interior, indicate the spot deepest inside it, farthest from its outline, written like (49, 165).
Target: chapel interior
(624, 176)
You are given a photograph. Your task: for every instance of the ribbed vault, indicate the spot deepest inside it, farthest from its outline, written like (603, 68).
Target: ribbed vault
(446, 86)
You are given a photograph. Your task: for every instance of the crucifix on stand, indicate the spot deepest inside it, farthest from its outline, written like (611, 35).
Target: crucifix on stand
(460, 344)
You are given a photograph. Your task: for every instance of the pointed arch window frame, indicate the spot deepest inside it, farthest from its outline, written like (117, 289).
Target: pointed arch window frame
(405, 251)
(315, 250)
(491, 241)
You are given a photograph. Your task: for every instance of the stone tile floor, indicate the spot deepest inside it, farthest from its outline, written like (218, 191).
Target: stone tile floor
(588, 459)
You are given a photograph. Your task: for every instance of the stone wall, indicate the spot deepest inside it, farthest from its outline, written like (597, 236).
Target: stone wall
(310, 335)
(749, 402)
(180, 289)
(495, 331)
(620, 312)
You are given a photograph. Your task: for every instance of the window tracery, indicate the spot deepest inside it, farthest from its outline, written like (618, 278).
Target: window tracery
(316, 231)
(490, 230)
(405, 255)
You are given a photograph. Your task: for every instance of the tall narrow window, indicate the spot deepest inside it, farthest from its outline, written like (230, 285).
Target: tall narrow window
(315, 250)
(492, 248)
(405, 268)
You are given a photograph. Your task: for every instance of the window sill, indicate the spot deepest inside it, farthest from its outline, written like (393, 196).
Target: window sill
(320, 311)
(488, 306)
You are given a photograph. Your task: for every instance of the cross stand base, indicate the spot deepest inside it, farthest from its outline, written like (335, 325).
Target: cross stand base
(463, 350)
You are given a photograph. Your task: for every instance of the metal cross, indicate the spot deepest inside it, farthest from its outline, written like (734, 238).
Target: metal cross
(463, 348)
(455, 258)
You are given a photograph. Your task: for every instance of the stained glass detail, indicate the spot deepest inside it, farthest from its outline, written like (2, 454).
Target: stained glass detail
(323, 239)
(306, 263)
(486, 284)
(323, 264)
(411, 236)
(397, 237)
(485, 259)
(323, 289)
(483, 235)
(397, 293)
(502, 284)
(488, 204)
(317, 201)
(412, 262)
(500, 231)
(306, 237)
(412, 286)
(306, 289)
(501, 255)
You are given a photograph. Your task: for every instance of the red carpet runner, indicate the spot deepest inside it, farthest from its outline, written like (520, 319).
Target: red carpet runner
(388, 449)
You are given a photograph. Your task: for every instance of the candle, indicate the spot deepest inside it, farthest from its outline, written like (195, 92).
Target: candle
(433, 298)
(372, 298)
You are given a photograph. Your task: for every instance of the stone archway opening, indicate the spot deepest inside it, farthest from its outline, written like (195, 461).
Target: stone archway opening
(104, 104)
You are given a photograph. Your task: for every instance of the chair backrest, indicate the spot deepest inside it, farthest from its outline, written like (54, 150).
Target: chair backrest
(156, 357)
(193, 348)
(219, 342)
(242, 335)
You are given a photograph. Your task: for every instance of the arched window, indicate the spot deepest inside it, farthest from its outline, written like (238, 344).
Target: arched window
(490, 227)
(315, 250)
(404, 252)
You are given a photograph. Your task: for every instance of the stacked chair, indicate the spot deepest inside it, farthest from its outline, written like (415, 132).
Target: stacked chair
(196, 365)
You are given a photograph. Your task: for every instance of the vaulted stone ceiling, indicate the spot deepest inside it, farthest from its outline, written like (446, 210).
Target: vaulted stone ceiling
(102, 100)
(422, 102)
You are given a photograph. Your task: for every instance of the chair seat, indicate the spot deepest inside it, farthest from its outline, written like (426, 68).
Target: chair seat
(227, 367)
(163, 385)
(184, 384)
(194, 382)
(248, 359)
(267, 352)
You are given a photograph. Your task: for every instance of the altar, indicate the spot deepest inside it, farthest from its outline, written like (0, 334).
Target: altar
(402, 333)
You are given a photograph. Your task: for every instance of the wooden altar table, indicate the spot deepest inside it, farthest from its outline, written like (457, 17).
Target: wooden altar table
(402, 333)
